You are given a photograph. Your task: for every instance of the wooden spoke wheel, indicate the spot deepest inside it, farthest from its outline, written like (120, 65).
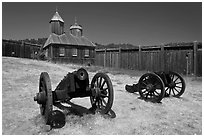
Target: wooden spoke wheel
(151, 87)
(102, 96)
(176, 84)
(46, 99)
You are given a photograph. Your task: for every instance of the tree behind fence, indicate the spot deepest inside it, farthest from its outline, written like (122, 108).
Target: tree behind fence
(184, 58)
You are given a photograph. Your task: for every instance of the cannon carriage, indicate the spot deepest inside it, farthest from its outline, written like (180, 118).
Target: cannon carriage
(74, 85)
(157, 85)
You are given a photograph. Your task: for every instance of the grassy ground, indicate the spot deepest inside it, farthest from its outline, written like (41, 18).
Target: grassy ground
(20, 114)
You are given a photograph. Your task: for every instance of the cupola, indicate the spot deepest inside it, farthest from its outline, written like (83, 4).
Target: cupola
(57, 24)
(76, 29)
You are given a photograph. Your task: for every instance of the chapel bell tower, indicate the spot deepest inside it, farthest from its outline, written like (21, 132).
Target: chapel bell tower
(57, 24)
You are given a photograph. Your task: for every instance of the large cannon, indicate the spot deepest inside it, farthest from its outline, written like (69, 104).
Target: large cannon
(155, 86)
(75, 84)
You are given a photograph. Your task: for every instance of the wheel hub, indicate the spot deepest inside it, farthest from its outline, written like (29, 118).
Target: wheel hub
(149, 87)
(172, 85)
(40, 97)
(97, 92)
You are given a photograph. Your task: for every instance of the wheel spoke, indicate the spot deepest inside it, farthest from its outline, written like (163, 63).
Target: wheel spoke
(100, 102)
(153, 95)
(104, 96)
(178, 87)
(104, 89)
(172, 77)
(100, 81)
(177, 90)
(176, 79)
(178, 82)
(150, 95)
(103, 100)
(144, 83)
(144, 91)
(173, 92)
(97, 83)
(147, 95)
(169, 91)
(103, 84)
(156, 92)
(157, 85)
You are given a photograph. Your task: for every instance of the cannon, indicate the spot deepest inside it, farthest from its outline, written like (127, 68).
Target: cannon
(74, 85)
(154, 86)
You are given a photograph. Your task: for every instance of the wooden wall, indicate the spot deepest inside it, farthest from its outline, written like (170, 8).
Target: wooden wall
(53, 52)
(18, 49)
(184, 59)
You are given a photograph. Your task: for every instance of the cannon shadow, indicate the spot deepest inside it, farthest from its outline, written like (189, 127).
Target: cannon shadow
(74, 109)
(78, 110)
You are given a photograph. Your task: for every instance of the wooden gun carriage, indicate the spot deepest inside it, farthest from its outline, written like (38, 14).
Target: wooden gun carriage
(155, 86)
(75, 84)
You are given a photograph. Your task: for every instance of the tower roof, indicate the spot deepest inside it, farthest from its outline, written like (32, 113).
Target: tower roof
(75, 26)
(57, 17)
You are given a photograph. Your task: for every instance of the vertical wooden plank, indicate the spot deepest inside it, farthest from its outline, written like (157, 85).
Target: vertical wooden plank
(162, 57)
(3, 49)
(199, 62)
(119, 58)
(140, 58)
(122, 59)
(195, 50)
(104, 58)
(126, 60)
(51, 52)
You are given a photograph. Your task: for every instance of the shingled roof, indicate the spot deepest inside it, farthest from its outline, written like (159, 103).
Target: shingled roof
(56, 17)
(68, 39)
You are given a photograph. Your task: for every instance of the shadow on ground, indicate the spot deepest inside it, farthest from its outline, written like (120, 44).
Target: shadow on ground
(58, 117)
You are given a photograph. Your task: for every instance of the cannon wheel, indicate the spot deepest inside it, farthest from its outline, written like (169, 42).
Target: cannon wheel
(103, 98)
(151, 87)
(176, 85)
(45, 86)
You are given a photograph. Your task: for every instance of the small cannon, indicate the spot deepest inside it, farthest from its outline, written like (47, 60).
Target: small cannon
(155, 86)
(75, 84)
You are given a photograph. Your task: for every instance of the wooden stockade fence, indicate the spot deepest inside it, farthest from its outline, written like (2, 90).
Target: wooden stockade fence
(13, 48)
(184, 58)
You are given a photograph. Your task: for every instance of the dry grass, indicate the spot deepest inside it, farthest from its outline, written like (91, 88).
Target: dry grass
(20, 114)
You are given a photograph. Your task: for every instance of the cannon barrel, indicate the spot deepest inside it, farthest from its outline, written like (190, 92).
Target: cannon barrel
(73, 84)
(81, 74)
